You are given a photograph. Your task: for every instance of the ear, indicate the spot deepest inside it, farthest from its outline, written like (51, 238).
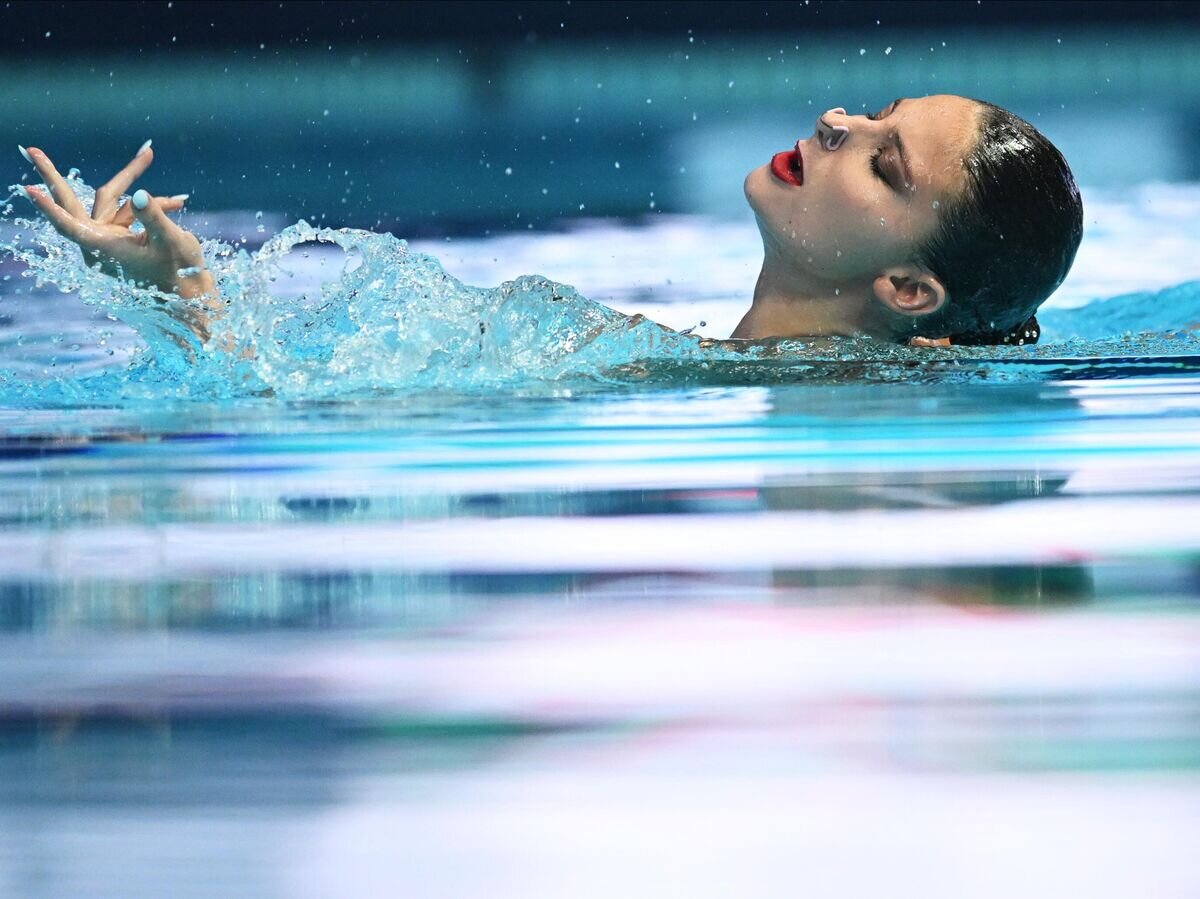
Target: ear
(910, 290)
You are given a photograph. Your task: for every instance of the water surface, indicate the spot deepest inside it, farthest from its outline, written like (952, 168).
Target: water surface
(404, 607)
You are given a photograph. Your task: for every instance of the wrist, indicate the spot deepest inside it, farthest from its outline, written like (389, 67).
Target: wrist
(197, 282)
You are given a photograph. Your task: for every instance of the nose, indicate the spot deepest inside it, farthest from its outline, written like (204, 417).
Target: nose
(830, 135)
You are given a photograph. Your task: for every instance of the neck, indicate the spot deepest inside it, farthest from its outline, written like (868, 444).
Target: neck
(789, 302)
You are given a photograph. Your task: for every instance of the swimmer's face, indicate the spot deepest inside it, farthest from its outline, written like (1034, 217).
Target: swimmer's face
(871, 191)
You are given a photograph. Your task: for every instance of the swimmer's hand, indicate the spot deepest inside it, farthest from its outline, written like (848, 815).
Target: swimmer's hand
(163, 256)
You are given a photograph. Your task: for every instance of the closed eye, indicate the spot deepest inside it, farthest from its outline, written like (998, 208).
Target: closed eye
(878, 169)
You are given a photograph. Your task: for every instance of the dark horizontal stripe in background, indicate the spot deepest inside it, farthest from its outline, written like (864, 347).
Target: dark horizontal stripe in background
(181, 24)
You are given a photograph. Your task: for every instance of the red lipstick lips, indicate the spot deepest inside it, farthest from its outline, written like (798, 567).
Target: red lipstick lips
(789, 167)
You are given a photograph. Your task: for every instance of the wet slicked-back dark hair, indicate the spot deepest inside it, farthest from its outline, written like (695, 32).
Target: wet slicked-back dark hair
(1004, 245)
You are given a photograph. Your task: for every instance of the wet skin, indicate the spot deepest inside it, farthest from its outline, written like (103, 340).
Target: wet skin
(863, 210)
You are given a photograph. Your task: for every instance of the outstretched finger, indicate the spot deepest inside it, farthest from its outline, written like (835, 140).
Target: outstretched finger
(124, 215)
(70, 227)
(63, 195)
(107, 194)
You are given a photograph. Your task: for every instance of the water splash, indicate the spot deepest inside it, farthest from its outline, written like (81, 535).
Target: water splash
(393, 319)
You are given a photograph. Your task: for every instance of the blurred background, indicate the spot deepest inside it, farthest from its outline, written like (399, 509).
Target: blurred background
(444, 118)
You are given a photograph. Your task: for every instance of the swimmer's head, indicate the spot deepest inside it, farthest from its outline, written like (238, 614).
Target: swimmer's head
(939, 216)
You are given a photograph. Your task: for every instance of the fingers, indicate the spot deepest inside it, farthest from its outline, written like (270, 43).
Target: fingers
(108, 194)
(63, 195)
(124, 216)
(64, 223)
(149, 211)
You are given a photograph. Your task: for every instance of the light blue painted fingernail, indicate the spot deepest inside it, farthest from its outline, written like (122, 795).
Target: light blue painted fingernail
(25, 153)
(144, 147)
(141, 200)
(181, 197)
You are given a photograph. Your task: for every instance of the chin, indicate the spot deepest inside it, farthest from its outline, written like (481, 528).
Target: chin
(748, 187)
(753, 184)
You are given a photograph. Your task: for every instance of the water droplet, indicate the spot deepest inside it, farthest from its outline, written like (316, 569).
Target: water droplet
(883, 221)
(936, 204)
(508, 170)
(887, 52)
(862, 51)
(616, 165)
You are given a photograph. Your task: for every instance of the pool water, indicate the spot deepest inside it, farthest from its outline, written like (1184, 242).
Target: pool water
(672, 615)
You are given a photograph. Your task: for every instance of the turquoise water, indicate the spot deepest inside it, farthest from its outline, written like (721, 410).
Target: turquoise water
(453, 589)
(382, 318)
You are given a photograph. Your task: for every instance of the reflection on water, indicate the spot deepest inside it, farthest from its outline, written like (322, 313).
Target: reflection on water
(433, 646)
